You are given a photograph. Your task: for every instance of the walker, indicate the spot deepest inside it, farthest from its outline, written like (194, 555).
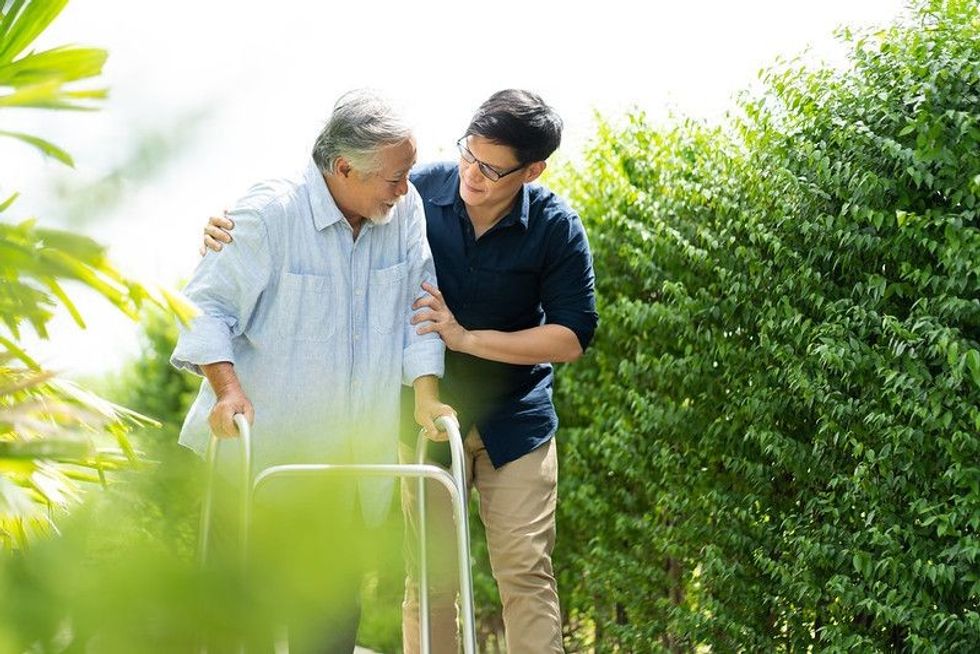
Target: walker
(453, 480)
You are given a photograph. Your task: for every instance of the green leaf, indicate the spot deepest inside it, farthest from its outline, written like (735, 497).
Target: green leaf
(9, 201)
(23, 23)
(862, 563)
(8, 18)
(79, 246)
(50, 95)
(66, 301)
(48, 448)
(64, 64)
(46, 147)
(181, 307)
(973, 365)
(17, 352)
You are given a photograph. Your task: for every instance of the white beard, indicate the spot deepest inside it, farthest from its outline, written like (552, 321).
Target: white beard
(383, 219)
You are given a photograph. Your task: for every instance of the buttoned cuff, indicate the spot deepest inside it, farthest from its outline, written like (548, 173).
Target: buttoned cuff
(207, 340)
(425, 358)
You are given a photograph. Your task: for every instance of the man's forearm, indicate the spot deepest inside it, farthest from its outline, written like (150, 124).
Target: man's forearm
(221, 375)
(542, 344)
(426, 386)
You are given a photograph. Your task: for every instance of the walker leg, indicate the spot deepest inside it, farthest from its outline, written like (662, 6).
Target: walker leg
(425, 632)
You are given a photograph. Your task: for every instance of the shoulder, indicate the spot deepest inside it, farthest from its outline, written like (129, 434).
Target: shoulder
(431, 176)
(549, 211)
(267, 204)
(264, 216)
(269, 197)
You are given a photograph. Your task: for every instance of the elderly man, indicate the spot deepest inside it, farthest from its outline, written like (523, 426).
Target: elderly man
(305, 325)
(515, 294)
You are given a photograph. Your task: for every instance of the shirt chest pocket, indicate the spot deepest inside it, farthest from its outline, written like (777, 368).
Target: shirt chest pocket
(305, 308)
(388, 298)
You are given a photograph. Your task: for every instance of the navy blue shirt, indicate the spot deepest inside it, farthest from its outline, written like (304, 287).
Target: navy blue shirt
(532, 268)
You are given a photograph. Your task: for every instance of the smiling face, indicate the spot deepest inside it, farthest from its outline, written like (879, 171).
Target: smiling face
(373, 195)
(480, 192)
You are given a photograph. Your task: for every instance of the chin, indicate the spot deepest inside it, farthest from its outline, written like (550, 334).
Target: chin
(469, 197)
(382, 218)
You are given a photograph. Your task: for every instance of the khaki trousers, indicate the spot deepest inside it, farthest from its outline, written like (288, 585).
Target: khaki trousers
(517, 507)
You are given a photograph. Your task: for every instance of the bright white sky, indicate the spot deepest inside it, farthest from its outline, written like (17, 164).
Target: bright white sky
(263, 76)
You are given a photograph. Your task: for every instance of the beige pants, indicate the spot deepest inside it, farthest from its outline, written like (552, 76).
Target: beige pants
(517, 507)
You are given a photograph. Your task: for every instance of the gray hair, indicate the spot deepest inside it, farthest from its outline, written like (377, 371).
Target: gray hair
(362, 122)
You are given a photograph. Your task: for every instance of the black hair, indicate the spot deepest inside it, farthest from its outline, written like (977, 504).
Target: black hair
(520, 120)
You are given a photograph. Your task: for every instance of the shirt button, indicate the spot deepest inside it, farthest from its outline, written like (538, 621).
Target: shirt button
(359, 292)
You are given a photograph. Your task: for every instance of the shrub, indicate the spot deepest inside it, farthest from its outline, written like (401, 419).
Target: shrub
(773, 443)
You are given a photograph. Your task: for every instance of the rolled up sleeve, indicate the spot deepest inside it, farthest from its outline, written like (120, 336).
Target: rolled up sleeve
(226, 287)
(421, 354)
(206, 340)
(568, 283)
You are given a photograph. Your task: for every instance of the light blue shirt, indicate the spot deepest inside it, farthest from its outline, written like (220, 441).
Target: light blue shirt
(316, 325)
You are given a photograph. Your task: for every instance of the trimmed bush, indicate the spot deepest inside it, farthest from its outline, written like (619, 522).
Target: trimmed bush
(773, 443)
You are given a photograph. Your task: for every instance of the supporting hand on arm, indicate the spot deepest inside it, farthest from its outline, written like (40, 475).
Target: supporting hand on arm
(542, 344)
(216, 233)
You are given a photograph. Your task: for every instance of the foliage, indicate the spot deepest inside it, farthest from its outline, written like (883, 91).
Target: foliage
(108, 586)
(167, 487)
(774, 441)
(149, 384)
(53, 434)
(39, 79)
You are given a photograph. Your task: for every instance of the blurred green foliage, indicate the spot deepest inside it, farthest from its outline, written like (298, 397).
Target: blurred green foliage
(123, 575)
(774, 442)
(53, 434)
(108, 584)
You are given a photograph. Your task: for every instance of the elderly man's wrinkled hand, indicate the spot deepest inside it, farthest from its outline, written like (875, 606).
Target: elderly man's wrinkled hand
(426, 412)
(222, 418)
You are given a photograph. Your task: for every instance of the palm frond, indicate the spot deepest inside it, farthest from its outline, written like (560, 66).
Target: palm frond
(51, 95)
(20, 354)
(23, 23)
(63, 64)
(54, 434)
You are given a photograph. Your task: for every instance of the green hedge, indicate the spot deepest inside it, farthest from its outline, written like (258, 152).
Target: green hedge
(773, 442)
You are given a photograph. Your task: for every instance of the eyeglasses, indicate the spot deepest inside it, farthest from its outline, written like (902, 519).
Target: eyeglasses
(488, 171)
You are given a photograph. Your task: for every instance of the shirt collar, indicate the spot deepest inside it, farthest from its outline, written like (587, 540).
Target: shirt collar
(519, 213)
(325, 210)
(448, 194)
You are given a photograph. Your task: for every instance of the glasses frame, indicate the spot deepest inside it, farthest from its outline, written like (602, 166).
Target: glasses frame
(488, 171)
